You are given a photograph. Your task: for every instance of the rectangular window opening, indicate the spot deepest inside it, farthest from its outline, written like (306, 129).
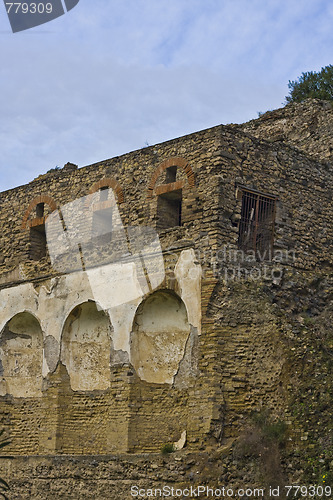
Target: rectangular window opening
(102, 226)
(256, 227)
(104, 192)
(37, 242)
(40, 210)
(170, 174)
(169, 210)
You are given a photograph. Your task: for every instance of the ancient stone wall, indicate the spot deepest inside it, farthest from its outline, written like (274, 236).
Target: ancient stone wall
(181, 331)
(306, 126)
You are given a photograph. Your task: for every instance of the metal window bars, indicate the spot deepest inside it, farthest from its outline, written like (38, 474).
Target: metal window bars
(256, 227)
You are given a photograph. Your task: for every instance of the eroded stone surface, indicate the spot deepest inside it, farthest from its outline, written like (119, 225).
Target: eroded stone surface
(51, 353)
(159, 337)
(21, 352)
(264, 341)
(85, 348)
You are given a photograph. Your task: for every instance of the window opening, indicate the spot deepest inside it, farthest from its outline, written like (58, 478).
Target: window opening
(170, 174)
(40, 210)
(256, 228)
(104, 191)
(102, 225)
(169, 209)
(37, 242)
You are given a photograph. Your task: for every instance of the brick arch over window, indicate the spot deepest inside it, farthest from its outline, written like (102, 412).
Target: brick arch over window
(36, 201)
(111, 183)
(171, 162)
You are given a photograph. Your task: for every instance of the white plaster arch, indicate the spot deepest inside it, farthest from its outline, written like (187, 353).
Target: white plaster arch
(85, 347)
(159, 334)
(17, 299)
(73, 306)
(21, 354)
(4, 322)
(57, 299)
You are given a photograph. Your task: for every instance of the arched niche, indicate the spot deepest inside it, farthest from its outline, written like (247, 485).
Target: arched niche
(21, 356)
(86, 346)
(159, 336)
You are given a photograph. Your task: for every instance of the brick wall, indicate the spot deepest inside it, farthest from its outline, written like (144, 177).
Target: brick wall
(241, 359)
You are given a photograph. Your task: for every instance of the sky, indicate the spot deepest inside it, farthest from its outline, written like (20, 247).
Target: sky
(113, 76)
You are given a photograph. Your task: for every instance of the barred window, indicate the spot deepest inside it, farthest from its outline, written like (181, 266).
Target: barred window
(256, 228)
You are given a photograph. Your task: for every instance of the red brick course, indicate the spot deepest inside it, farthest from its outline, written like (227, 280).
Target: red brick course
(175, 161)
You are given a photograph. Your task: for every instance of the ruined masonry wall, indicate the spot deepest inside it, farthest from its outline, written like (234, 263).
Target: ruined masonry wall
(132, 390)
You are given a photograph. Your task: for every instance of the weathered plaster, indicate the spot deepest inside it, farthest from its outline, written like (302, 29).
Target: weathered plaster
(85, 348)
(122, 318)
(51, 354)
(159, 337)
(115, 284)
(188, 273)
(21, 352)
(15, 300)
(188, 366)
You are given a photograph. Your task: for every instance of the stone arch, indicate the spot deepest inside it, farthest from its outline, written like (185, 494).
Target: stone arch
(108, 182)
(42, 199)
(173, 186)
(86, 347)
(21, 356)
(159, 335)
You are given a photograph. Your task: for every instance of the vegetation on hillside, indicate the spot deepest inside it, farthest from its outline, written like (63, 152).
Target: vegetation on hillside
(311, 84)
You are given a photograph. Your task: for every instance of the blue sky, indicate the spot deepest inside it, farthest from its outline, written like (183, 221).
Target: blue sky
(111, 76)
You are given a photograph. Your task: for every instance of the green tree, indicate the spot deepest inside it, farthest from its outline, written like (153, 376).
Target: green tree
(317, 85)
